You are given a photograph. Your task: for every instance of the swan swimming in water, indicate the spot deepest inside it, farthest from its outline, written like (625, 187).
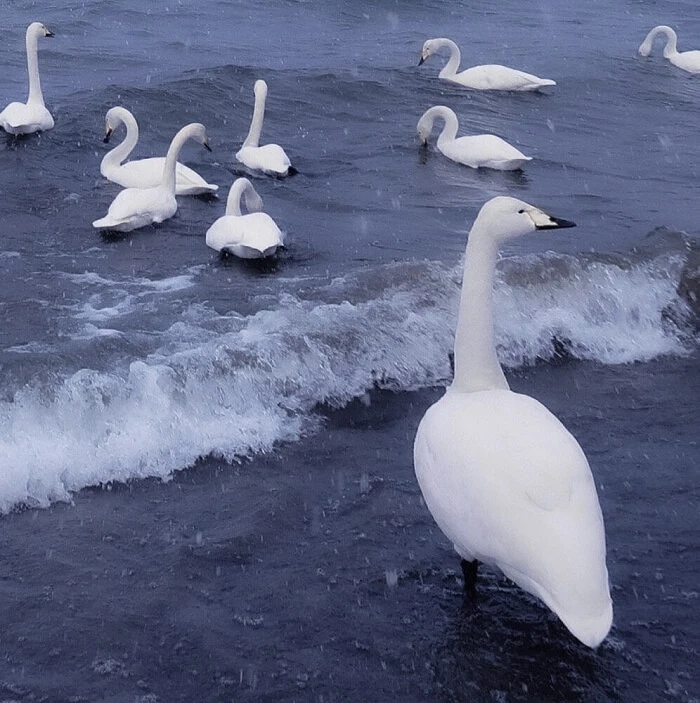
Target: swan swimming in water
(32, 116)
(138, 207)
(503, 478)
(251, 236)
(687, 60)
(477, 151)
(487, 77)
(143, 173)
(269, 158)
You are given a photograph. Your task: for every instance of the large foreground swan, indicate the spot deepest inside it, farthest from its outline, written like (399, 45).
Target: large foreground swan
(687, 60)
(477, 151)
(487, 77)
(138, 207)
(251, 236)
(269, 158)
(143, 173)
(32, 116)
(503, 478)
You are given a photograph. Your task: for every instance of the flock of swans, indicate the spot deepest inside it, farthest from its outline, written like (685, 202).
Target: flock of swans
(503, 478)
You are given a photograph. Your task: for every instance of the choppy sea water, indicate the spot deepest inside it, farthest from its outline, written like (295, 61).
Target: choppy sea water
(136, 357)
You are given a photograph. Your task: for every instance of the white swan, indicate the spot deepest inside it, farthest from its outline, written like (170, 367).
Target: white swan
(487, 77)
(477, 151)
(503, 478)
(687, 60)
(250, 236)
(32, 116)
(269, 158)
(143, 173)
(138, 207)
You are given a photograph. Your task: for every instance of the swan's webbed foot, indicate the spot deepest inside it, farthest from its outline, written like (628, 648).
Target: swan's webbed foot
(469, 572)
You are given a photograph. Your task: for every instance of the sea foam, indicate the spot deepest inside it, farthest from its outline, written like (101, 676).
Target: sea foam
(235, 385)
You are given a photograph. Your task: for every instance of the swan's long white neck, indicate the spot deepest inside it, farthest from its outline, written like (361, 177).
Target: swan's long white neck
(242, 188)
(475, 360)
(122, 150)
(35, 95)
(450, 68)
(256, 123)
(670, 49)
(450, 126)
(174, 150)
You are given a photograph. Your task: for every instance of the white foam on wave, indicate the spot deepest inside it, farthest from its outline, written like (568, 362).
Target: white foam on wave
(234, 385)
(600, 311)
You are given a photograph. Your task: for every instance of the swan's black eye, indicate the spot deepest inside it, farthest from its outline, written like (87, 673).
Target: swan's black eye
(520, 212)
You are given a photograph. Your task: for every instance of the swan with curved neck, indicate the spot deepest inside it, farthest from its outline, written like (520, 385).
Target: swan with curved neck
(503, 478)
(138, 207)
(486, 77)
(687, 60)
(477, 151)
(32, 116)
(143, 173)
(251, 236)
(269, 158)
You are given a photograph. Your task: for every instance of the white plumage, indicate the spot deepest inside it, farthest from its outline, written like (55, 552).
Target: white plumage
(477, 151)
(503, 478)
(269, 158)
(32, 116)
(687, 60)
(486, 77)
(143, 173)
(138, 207)
(251, 236)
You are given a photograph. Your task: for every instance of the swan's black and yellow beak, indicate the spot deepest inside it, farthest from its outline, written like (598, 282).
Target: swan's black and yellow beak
(554, 223)
(421, 60)
(205, 144)
(108, 134)
(48, 32)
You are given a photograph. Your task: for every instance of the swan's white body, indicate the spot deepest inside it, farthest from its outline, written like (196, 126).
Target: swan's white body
(503, 478)
(477, 151)
(251, 236)
(138, 207)
(269, 158)
(32, 116)
(687, 60)
(144, 173)
(486, 77)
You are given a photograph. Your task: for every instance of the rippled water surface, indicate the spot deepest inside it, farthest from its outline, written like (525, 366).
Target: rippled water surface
(262, 535)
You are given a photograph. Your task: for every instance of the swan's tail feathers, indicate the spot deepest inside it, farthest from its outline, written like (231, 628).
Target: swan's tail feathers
(547, 81)
(512, 164)
(590, 630)
(109, 223)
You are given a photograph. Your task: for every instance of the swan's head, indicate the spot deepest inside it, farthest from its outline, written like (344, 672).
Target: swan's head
(260, 88)
(116, 116)
(38, 30)
(427, 51)
(425, 123)
(197, 132)
(429, 48)
(504, 218)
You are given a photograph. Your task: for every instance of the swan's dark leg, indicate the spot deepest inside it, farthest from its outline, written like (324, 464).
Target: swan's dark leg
(469, 569)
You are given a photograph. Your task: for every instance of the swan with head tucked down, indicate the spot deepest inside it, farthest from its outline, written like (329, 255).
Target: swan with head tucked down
(138, 207)
(269, 158)
(503, 478)
(251, 236)
(143, 173)
(32, 116)
(477, 151)
(687, 60)
(487, 77)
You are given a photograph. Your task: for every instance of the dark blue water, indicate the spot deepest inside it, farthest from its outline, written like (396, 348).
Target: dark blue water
(148, 357)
